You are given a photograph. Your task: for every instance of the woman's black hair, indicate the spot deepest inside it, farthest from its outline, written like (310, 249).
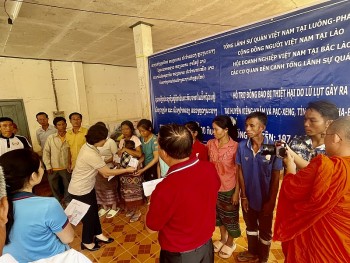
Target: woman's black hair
(145, 124)
(224, 121)
(130, 125)
(18, 166)
(96, 133)
(101, 124)
(194, 127)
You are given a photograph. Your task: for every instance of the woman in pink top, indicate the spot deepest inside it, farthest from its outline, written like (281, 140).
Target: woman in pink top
(222, 152)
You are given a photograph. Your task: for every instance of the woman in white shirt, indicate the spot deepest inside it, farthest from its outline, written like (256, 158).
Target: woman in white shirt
(81, 187)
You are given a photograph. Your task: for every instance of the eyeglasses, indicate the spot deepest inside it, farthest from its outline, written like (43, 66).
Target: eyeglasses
(323, 135)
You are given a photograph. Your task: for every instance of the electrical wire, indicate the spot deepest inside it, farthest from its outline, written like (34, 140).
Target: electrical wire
(9, 20)
(65, 60)
(5, 8)
(122, 15)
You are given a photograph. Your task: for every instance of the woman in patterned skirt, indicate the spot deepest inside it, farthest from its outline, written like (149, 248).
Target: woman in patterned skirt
(222, 152)
(130, 184)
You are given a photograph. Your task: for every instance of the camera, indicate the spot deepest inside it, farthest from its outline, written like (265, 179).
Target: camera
(278, 148)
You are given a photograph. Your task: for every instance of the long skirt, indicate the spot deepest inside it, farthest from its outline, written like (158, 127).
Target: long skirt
(227, 214)
(106, 191)
(131, 190)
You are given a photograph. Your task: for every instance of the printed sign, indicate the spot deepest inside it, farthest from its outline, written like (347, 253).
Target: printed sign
(276, 66)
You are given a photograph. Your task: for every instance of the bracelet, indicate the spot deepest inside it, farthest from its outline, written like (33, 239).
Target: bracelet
(243, 198)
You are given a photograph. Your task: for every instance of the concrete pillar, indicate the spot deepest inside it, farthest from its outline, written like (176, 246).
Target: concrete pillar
(80, 91)
(143, 49)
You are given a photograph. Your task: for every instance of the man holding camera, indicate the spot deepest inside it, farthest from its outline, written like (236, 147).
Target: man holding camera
(259, 180)
(318, 116)
(313, 215)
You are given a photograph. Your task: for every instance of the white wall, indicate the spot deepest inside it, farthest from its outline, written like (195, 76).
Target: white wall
(99, 92)
(117, 91)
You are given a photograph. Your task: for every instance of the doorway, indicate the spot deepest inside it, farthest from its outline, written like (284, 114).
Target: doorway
(14, 109)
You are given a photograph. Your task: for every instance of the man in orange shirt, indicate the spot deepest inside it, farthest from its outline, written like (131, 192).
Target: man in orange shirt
(313, 213)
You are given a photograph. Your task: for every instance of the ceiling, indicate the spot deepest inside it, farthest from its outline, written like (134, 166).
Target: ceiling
(98, 31)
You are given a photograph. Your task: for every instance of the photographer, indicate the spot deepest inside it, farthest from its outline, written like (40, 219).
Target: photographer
(259, 180)
(318, 116)
(313, 215)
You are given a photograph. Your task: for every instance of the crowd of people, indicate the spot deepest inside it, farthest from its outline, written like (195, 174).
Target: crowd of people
(204, 186)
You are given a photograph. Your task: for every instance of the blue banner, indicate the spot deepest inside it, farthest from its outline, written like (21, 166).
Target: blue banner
(276, 66)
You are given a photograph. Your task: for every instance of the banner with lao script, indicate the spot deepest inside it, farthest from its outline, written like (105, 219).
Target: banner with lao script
(276, 66)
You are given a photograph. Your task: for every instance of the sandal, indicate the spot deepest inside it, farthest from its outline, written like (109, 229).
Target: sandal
(130, 213)
(218, 245)
(246, 256)
(227, 251)
(112, 212)
(135, 217)
(102, 212)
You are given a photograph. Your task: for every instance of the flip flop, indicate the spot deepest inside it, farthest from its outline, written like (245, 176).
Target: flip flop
(227, 251)
(102, 212)
(135, 217)
(246, 256)
(112, 212)
(218, 245)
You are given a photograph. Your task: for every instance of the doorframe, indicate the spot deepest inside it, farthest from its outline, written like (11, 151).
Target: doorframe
(25, 116)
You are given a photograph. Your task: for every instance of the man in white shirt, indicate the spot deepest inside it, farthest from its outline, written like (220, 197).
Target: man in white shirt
(45, 130)
(8, 140)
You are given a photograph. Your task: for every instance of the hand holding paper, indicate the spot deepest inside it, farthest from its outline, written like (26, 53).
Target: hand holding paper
(75, 211)
(148, 187)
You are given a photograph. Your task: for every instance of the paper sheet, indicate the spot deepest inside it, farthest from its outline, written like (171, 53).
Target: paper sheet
(148, 187)
(75, 211)
(116, 158)
(110, 177)
(133, 162)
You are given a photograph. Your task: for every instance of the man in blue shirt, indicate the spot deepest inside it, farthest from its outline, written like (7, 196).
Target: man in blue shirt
(259, 180)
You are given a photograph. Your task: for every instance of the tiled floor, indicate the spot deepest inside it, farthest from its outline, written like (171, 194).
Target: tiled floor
(134, 244)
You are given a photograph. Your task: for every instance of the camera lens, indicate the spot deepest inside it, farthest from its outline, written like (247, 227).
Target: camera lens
(282, 152)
